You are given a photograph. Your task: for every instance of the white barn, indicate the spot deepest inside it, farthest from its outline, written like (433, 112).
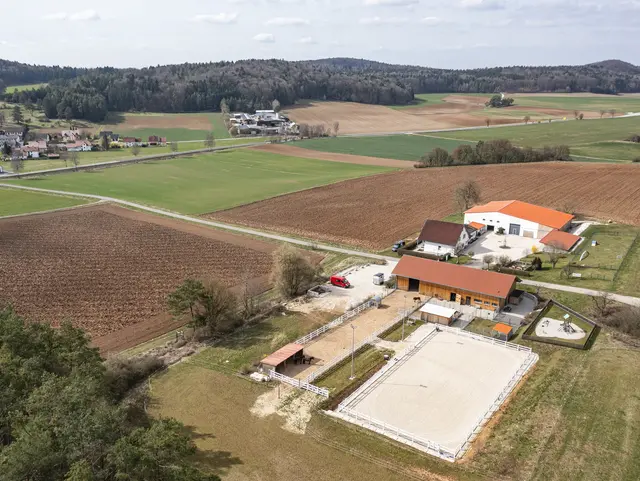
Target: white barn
(519, 218)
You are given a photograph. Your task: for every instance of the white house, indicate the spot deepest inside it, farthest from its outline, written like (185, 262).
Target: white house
(442, 238)
(80, 146)
(518, 218)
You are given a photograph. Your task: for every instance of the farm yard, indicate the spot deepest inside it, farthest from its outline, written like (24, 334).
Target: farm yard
(206, 182)
(374, 212)
(14, 202)
(108, 269)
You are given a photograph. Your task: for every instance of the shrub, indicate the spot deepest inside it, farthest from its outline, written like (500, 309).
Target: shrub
(122, 374)
(637, 159)
(500, 231)
(625, 319)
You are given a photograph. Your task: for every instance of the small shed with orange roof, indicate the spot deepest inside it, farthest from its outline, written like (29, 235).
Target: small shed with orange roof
(561, 240)
(518, 218)
(502, 331)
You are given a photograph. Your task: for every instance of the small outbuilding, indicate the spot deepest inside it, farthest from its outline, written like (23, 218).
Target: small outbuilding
(502, 331)
(437, 314)
(279, 360)
(561, 240)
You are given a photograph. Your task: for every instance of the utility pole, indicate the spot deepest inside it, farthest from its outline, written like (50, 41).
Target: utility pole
(353, 346)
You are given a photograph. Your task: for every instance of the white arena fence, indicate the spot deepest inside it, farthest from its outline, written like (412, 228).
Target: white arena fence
(409, 438)
(340, 320)
(299, 383)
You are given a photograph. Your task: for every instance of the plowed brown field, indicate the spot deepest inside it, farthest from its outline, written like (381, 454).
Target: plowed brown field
(373, 212)
(455, 111)
(108, 269)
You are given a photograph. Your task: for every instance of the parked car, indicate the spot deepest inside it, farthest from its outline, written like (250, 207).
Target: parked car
(398, 245)
(339, 281)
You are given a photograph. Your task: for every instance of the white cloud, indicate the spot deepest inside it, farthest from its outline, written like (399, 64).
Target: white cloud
(383, 21)
(91, 15)
(264, 38)
(56, 16)
(84, 15)
(391, 3)
(431, 21)
(307, 40)
(222, 18)
(483, 4)
(286, 21)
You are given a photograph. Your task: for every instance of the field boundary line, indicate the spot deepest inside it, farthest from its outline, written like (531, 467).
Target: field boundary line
(51, 211)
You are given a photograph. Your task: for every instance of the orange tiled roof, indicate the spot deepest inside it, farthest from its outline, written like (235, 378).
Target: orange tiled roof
(560, 239)
(282, 354)
(523, 210)
(477, 225)
(502, 328)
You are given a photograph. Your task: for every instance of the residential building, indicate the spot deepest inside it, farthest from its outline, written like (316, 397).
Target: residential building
(455, 283)
(131, 141)
(70, 135)
(519, 218)
(442, 238)
(79, 146)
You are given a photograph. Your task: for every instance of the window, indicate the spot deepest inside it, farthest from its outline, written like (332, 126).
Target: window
(487, 303)
(494, 304)
(478, 301)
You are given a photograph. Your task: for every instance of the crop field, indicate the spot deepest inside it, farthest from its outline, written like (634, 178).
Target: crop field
(402, 147)
(374, 212)
(207, 182)
(19, 88)
(175, 127)
(590, 102)
(108, 269)
(14, 202)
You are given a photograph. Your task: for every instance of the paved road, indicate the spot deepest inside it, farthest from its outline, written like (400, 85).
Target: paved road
(219, 225)
(634, 301)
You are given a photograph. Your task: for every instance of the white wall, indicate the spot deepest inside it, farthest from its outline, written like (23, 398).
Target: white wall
(498, 219)
(433, 248)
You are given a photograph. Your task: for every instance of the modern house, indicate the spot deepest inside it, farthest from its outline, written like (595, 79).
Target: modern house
(455, 283)
(441, 238)
(518, 218)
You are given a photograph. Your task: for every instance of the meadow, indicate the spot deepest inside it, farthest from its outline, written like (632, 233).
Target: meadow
(620, 103)
(19, 88)
(402, 147)
(207, 182)
(15, 201)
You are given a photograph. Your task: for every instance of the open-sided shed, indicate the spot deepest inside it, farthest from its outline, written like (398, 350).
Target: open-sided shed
(278, 360)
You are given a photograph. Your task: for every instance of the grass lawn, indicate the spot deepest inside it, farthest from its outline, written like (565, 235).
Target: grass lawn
(169, 125)
(338, 380)
(19, 88)
(481, 326)
(612, 265)
(618, 151)
(206, 182)
(621, 103)
(395, 335)
(14, 201)
(402, 147)
(571, 132)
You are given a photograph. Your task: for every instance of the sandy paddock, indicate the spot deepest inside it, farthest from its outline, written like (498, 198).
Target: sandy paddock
(442, 389)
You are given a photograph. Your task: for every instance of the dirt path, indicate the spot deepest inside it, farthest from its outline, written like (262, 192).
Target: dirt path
(333, 157)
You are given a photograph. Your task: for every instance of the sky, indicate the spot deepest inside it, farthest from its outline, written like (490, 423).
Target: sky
(434, 33)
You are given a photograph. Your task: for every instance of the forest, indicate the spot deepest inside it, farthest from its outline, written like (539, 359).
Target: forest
(253, 84)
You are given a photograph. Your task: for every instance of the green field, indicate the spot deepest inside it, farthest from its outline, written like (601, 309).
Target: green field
(620, 151)
(402, 147)
(14, 202)
(19, 88)
(207, 182)
(133, 125)
(621, 103)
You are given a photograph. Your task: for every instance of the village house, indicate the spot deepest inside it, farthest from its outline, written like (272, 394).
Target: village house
(79, 146)
(442, 238)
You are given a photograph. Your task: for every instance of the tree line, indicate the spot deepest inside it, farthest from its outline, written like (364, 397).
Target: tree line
(497, 151)
(247, 85)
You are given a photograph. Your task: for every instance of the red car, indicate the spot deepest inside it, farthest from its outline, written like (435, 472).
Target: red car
(339, 281)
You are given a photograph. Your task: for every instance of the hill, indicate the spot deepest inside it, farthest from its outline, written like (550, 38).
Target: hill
(252, 84)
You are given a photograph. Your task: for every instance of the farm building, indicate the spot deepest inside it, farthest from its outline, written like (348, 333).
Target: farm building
(455, 283)
(279, 360)
(518, 218)
(561, 240)
(437, 314)
(440, 238)
(502, 331)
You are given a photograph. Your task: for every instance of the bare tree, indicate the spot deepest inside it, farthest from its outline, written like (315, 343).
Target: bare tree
(457, 252)
(209, 141)
(224, 107)
(292, 272)
(580, 116)
(336, 128)
(75, 160)
(602, 304)
(275, 105)
(612, 112)
(218, 307)
(467, 195)
(173, 146)
(488, 260)
(504, 261)
(2, 119)
(554, 253)
(602, 112)
(248, 296)
(17, 164)
(575, 114)
(487, 121)
(135, 149)
(527, 119)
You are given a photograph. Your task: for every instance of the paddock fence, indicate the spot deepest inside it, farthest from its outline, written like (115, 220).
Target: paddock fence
(300, 384)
